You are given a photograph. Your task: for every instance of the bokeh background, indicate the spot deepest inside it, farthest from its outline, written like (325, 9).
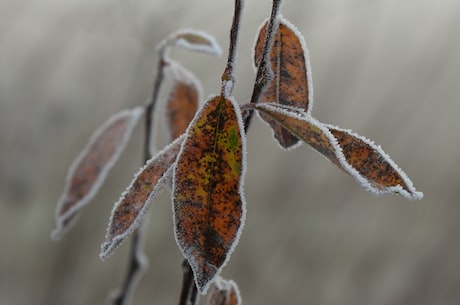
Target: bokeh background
(387, 69)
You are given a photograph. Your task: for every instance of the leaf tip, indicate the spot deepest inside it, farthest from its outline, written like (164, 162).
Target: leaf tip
(107, 248)
(57, 233)
(110, 244)
(63, 224)
(411, 194)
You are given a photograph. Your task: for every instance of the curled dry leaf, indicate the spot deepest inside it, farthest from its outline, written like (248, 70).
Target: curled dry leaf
(356, 155)
(209, 206)
(224, 293)
(193, 40)
(92, 165)
(182, 103)
(292, 82)
(133, 204)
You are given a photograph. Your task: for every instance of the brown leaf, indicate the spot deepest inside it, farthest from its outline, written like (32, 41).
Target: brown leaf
(209, 207)
(373, 164)
(90, 168)
(128, 212)
(224, 293)
(356, 155)
(182, 102)
(291, 84)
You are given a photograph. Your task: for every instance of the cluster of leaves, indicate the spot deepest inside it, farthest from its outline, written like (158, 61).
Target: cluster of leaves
(206, 157)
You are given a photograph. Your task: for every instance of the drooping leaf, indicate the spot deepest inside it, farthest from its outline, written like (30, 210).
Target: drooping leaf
(193, 40)
(92, 165)
(356, 155)
(209, 206)
(224, 293)
(128, 212)
(292, 82)
(183, 100)
(371, 162)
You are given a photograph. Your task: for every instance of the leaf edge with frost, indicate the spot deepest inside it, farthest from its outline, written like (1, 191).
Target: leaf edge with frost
(307, 62)
(178, 39)
(203, 289)
(410, 194)
(180, 75)
(65, 221)
(114, 241)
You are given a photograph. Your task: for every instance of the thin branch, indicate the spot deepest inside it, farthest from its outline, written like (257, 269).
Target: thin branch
(228, 77)
(138, 261)
(189, 293)
(138, 264)
(264, 71)
(150, 108)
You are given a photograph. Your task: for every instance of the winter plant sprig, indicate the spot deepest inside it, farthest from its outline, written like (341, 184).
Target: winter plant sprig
(206, 155)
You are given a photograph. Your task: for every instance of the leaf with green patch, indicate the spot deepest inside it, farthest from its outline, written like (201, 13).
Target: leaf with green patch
(292, 82)
(129, 211)
(224, 293)
(90, 168)
(209, 206)
(356, 155)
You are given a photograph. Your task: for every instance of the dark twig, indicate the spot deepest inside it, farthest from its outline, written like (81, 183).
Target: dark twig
(138, 261)
(264, 70)
(189, 293)
(228, 77)
(150, 108)
(138, 264)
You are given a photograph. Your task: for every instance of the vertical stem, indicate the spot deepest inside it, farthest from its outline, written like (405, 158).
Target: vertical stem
(228, 78)
(137, 265)
(150, 109)
(137, 260)
(264, 71)
(189, 293)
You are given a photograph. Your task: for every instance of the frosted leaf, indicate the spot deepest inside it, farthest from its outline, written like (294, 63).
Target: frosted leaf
(209, 205)
(193, 40)
(92, 165)
(291, 81)
(367, 160)
(129, 211)
(183, 100)
(356, 155)
(225, 292)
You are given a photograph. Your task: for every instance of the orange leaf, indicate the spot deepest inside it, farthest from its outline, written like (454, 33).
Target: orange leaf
(291, 84)
(90, 168)
(209, 207)
(225, 293)
(183, 100)
(356, 155)
(134, 203)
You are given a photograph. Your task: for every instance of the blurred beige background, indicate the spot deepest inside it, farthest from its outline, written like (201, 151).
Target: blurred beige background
(387, 69)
